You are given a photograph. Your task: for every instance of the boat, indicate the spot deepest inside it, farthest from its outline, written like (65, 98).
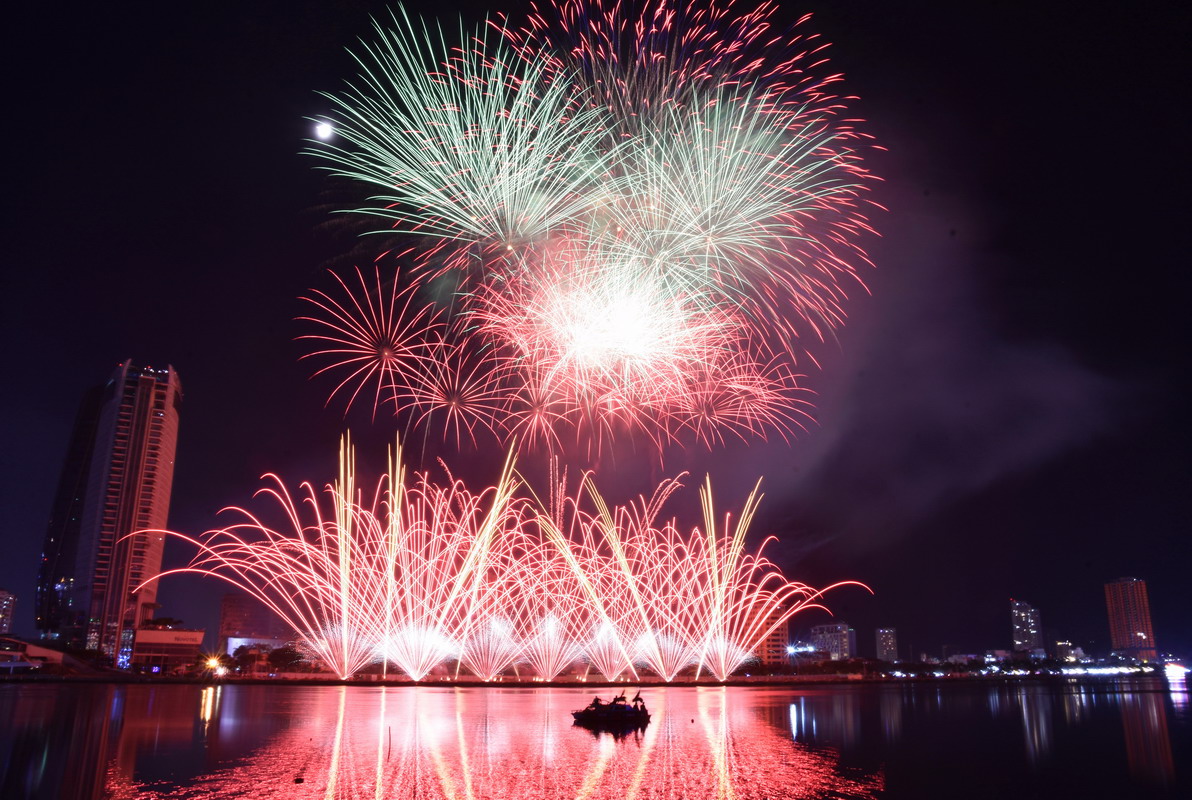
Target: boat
(616, 715)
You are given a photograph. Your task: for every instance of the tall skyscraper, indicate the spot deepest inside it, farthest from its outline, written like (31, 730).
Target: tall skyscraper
(887, 644)
(124, 442)
(1027, 631)
(8, 603)
(58, 614)
(1129, 609)
(836, 639)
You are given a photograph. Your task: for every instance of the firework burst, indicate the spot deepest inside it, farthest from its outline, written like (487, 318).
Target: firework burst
(646, 209)
(463, 142)
(418, 573)
(377, 341)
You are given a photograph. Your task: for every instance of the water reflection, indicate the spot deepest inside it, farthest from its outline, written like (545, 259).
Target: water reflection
(443, 743)
(1178, 687)
(1148, 745)
(1076, 704)
(827, 718)
(891, 711)
(1034, 705)
(43, 727)
(155, 741)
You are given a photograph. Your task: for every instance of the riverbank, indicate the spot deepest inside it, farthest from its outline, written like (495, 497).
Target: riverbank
(463, 682)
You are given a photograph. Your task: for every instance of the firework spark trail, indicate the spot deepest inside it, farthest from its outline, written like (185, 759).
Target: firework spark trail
(590, 353)
(396, 579)
(669, 600)
(376, 337)
(642, 204)
(463, 388)
(740, 188)
(470, 143)
(741, 157)
(419, 573)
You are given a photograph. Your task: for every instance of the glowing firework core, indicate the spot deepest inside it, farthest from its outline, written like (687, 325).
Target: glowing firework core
(605, 330)
(608, 332)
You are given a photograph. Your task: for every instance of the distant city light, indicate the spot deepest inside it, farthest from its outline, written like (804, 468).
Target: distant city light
(1117, 670)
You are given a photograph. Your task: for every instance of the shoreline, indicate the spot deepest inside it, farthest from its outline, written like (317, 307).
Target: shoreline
(769, 681)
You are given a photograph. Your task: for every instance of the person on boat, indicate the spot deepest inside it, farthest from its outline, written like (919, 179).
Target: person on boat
(619, 700)
(596, 702)
(638, 703)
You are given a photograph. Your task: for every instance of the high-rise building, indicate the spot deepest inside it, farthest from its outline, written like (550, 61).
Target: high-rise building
(771, 651)
(887, 645)
(838, 640)
(96, 555)
(59, 615)
(1129, 609)
(1027, 631)
(8, 602)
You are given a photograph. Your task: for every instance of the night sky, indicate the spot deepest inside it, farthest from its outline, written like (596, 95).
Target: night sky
(1003, 416)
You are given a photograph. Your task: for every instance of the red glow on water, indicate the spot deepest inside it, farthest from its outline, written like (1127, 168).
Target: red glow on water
(437, 743)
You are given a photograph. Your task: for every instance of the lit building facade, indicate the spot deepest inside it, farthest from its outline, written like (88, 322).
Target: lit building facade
(96, 556)
(166, 650)
(1026, 629)
(245, 621)
(838, 640)
(772, 650)
(8, 603)
(887, 644)
(1130, 632)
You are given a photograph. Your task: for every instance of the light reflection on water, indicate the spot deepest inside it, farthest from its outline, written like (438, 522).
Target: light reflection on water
(1148, 744)
(1178, 687)
(458, 743)
(1036, 723)
(901, 740)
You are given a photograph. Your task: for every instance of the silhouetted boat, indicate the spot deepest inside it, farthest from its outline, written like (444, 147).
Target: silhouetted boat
(614, 716)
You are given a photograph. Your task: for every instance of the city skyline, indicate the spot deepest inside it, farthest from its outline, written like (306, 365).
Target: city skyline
(101, 407)
(977, 401)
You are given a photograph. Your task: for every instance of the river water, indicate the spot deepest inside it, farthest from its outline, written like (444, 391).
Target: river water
(953, 739)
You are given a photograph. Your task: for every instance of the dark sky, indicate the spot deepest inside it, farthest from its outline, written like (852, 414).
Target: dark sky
(1004, 414)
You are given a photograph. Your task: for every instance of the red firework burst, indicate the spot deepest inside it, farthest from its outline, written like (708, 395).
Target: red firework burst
(377, 342)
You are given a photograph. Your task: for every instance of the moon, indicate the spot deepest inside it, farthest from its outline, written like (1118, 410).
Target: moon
(323, 130)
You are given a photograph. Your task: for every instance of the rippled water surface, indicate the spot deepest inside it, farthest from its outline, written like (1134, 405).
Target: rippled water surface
(971, 740)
